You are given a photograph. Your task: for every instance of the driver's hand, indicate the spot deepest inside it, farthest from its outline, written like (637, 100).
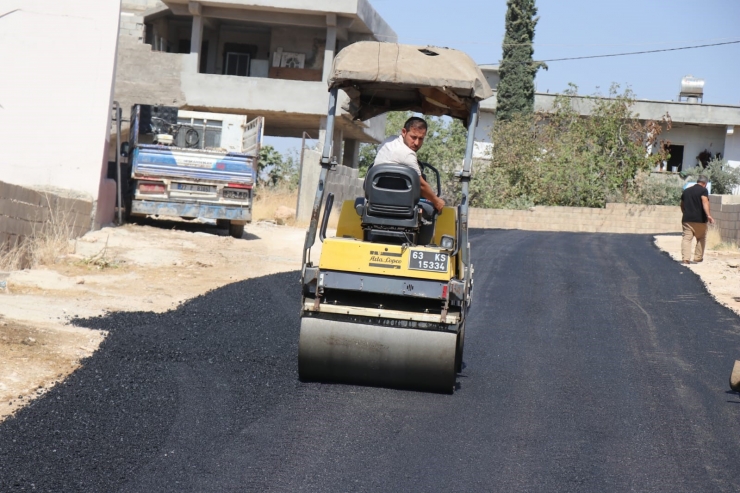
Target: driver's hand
(439, 204)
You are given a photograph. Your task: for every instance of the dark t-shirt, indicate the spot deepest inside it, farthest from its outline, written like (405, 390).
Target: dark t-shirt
(693, 210)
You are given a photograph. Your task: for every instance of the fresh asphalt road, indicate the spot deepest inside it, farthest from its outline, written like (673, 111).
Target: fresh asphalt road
(593, 363)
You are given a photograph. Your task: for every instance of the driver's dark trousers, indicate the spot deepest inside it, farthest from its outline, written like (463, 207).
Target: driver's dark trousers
(429, 217)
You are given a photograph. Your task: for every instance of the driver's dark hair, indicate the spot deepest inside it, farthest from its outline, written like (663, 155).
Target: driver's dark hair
(415, 122)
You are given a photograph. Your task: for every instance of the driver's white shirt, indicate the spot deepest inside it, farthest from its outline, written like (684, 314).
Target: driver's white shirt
(394, 151)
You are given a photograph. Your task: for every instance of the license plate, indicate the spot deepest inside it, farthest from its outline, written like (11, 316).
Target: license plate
(428, 261)
(188, 187)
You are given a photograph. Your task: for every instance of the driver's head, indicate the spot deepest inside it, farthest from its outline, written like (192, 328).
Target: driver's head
(413, 133)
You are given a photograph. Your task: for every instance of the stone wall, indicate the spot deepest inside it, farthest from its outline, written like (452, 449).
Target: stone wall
(725, 210)
(615, 218)
(24, 211)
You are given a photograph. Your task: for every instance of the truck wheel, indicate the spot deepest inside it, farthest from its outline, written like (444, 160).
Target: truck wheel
(459, 350)
(236, 230)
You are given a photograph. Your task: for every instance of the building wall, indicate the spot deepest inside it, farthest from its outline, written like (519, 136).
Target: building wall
(732, 145)
(310, 42)
(56, 108)
(132, 17)
(695, 139)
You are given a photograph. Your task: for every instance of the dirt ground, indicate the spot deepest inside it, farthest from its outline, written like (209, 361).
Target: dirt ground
(152, 266)
(156, 265)
(719, 270)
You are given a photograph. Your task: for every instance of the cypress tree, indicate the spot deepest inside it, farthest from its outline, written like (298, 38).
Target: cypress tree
(515, 92)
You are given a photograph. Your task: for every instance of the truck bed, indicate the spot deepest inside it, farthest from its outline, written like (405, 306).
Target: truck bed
(194, 164)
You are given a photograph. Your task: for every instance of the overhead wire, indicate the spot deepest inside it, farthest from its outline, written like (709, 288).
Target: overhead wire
(640, 52)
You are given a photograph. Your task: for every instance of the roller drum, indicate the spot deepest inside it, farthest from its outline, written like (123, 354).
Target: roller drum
(346, 352)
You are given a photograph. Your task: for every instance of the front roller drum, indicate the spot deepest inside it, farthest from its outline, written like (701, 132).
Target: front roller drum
(362, 354)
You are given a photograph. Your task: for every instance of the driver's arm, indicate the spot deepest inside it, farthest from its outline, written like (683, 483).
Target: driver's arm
(428, 193)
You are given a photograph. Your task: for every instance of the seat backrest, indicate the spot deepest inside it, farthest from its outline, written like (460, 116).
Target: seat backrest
(392, 191)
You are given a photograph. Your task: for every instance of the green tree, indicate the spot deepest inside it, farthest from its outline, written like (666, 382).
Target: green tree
(563, 158)
(515, 91)
(269, 158)
(276, 169)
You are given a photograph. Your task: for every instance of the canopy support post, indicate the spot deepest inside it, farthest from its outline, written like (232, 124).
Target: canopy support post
(326, 164)
(465, 175)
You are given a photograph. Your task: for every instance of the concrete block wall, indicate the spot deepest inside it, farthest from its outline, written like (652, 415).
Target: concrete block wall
(132, 25)
(344, 183)
(24, 211)
(147, 77)
(132, 17)
(725, 210)
(615, 218)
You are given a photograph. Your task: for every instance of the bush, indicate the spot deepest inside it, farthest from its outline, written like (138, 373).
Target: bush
(652, 189)
(562, 158)
(723, 176)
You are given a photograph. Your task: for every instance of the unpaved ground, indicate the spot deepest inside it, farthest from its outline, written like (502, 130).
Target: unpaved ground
(719, 270)
(150, 267)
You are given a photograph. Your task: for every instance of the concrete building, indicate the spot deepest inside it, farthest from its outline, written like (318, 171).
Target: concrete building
(58, 62)
(257, 57)
(696, 127)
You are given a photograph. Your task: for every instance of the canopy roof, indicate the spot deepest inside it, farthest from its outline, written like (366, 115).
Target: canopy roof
(381, 77)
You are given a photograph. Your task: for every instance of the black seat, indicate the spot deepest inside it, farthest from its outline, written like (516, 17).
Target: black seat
(390, 211)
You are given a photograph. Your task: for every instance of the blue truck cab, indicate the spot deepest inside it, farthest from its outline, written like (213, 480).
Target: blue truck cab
(192, 164)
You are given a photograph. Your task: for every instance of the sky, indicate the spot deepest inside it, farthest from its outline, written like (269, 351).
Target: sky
(575, 28)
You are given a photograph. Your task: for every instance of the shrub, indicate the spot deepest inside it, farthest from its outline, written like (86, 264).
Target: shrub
(723, 176)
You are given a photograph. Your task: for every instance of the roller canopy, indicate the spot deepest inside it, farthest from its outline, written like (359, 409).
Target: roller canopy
(382, 77)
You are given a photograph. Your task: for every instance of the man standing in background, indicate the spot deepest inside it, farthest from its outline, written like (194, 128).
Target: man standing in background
(695, 208)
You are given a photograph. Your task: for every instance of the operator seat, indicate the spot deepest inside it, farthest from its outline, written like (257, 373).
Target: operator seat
(390, 210)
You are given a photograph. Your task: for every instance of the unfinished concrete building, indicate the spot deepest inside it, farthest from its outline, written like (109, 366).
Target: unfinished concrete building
(256, 57)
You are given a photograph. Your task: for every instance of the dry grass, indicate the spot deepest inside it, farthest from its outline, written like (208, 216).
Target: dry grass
(268, 199)
(714, 240)
(48, 242)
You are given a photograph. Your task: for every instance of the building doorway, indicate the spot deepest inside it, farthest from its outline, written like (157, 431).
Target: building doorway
(676, 159)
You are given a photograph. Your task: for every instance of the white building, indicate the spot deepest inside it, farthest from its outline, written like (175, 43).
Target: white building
(257, 57)
(57, 61)
(696, 126)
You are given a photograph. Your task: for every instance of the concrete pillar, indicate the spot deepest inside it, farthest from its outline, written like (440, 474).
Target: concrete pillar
(351, 156)
(212, 52)
(309, 180)
(196, 37)
(331, 44)
(336, 146)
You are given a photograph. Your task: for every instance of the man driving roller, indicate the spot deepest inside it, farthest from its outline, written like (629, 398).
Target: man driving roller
(402, 149)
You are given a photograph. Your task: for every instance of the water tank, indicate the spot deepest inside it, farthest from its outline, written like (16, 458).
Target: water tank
(691, 88)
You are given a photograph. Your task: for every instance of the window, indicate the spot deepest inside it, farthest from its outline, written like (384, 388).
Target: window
(237, 64)
(199, 133)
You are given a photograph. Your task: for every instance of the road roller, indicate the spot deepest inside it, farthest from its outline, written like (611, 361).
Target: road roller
(385, 302)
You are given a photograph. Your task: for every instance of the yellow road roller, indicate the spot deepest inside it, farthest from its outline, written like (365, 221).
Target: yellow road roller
(387, 301)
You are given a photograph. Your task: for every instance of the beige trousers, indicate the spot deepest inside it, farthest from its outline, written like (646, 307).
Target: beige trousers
(691, 231)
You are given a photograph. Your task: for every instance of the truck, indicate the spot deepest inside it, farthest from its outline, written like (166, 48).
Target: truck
(191, 164)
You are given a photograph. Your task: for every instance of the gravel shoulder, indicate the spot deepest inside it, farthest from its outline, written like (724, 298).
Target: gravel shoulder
(719, 270)
(149, 267)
